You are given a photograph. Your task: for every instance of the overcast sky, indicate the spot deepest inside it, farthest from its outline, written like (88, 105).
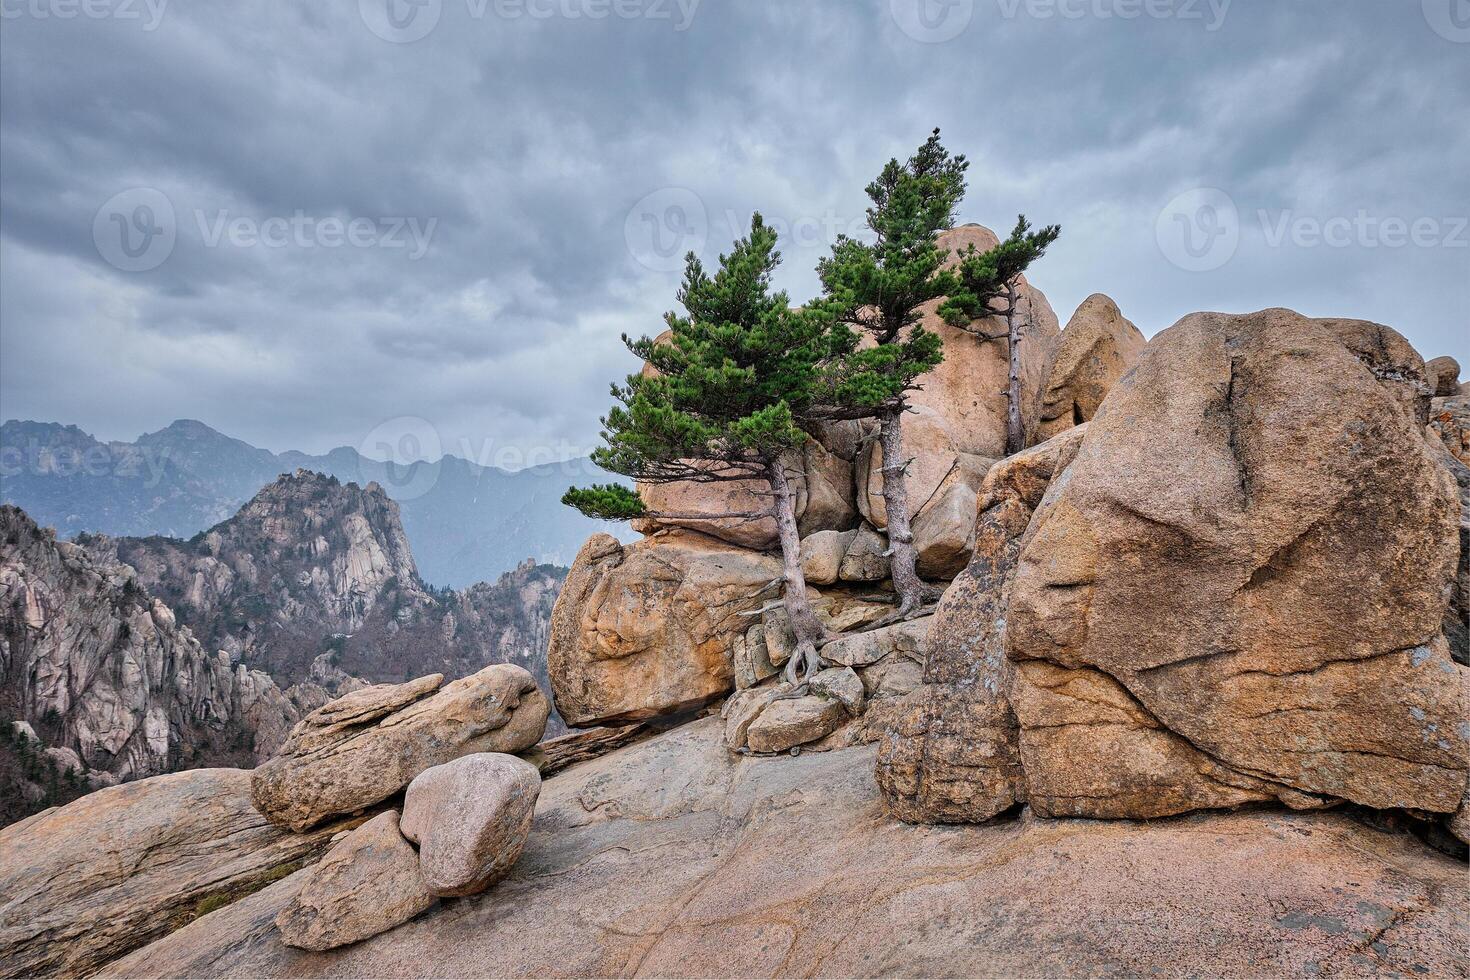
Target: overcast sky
(313, 224)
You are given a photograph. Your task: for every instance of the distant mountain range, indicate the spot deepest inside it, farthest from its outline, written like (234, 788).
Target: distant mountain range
(123, 657)
(466, 522)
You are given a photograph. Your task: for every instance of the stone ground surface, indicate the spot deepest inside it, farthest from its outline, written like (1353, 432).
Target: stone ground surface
(672, 857)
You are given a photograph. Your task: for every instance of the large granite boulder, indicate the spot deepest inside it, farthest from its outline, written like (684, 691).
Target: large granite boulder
(360, 749)
(1237, 590)
(86, 883)
(676, 857)
(368, 883)
(822, 480)
(649, 628)
(1098, 347)
(968, 390)
(958, 424)
(470, 818)
(949, 753)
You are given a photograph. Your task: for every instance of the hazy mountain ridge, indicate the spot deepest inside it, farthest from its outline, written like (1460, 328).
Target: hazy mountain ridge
(312, 566)
(467, 522)
(103, 682)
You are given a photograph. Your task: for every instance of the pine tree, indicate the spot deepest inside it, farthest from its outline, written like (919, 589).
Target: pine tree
(994, 277)
(722, 405)
(877, 289)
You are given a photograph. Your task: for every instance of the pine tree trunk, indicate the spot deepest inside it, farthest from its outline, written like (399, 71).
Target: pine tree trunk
(804, 623)
(1015, 431)
(896, 501)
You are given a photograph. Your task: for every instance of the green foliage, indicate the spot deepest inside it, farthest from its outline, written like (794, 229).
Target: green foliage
(725, 389)
(605, 501)
(987, 277)
(878, 287)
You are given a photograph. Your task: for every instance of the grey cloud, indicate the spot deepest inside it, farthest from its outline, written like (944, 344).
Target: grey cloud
(528, 140)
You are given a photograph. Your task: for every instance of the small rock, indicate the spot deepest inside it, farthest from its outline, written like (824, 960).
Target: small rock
(864, 560)
(752, 659)
(470, 818)
(944, 534)
(892, 677)
(66, 760)
(862, 649)
(841, 684)
(779, 637)
(822, 553)
(367, 884)
(794, 721)
(743, 708)
(1443, 376)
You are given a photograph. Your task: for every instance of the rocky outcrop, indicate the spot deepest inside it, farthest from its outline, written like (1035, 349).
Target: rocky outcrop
(956, 429)
(1449, 418)
(1098, 347)
(968, 389)
(673, 857)
(88, 882)
(470, 818)
(361, 749)
(821, 479)
(312, 568)
(101, 668)
(848, 702)
(950, 752)
(1238, 591)
(1443, 374)
(649, 629)
(368, 883)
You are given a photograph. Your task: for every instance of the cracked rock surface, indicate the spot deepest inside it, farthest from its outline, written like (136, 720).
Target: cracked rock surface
(1238, 591)
(672, 857)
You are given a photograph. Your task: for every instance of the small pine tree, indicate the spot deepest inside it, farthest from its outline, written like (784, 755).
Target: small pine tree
(877, 289)
(991, 277)
(722, 405)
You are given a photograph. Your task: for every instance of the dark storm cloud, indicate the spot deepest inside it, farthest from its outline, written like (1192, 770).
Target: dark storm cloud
(492, 166)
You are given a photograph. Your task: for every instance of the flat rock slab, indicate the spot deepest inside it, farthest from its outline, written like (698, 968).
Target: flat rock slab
(88, 882)
(673, 857)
